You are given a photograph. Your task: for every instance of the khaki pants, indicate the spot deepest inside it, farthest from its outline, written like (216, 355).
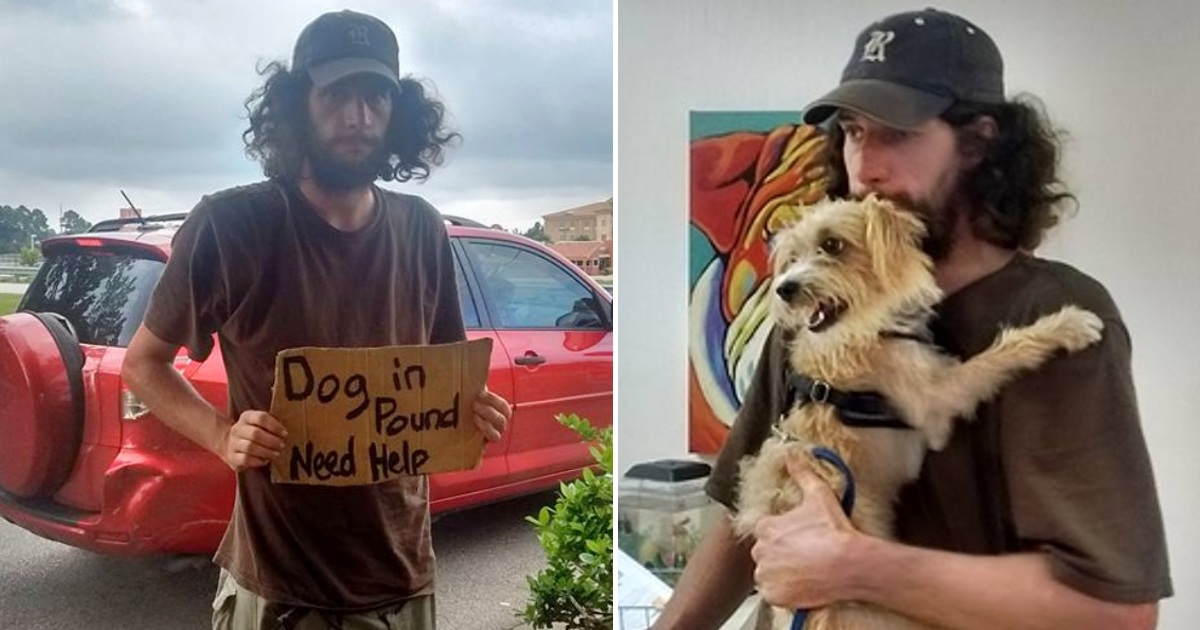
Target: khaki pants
(236, 608)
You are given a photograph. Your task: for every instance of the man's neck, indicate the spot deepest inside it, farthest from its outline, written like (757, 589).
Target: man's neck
(969, 259)
(347, 211)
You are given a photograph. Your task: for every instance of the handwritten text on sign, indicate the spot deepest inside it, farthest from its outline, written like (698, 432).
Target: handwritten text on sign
(364, 415)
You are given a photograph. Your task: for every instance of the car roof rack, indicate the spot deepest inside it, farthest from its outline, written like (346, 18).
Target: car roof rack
(114, 225)
(462, 221)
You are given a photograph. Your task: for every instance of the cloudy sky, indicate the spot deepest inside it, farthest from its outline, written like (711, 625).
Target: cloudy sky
(147, 96)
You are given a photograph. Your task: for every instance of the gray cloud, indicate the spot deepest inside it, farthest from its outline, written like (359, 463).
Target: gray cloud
(79, 11)
(149, 94)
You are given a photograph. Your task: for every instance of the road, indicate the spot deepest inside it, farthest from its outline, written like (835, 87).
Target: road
(483, 556)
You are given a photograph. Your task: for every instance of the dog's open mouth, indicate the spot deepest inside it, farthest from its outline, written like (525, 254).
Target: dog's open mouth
(825, 314)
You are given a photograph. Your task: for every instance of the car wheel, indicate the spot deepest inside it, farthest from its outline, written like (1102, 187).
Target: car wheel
(41, 402)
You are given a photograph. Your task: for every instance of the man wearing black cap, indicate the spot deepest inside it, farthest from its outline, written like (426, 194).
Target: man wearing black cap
(1042, 513)
(317, 255)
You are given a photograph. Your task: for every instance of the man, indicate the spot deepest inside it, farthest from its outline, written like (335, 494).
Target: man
(1042, 513)
(315, 256)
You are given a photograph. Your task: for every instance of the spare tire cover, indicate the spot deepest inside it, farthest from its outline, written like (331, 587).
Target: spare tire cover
(41, 403)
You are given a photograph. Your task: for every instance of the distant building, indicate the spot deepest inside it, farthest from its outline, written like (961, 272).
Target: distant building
(593, 222)
(593, 257)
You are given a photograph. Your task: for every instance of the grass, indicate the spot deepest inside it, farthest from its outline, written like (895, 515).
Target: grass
(8, 302)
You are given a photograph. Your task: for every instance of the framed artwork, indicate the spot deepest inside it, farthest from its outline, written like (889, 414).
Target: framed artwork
(749, 171)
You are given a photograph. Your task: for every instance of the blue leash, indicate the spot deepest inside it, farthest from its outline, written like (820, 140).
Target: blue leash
(827, 455)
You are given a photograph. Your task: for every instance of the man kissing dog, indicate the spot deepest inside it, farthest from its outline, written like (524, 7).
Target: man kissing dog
(855, 292)
(1042, 512)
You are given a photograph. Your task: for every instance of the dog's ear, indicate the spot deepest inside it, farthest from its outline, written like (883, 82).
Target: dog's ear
(891, 236)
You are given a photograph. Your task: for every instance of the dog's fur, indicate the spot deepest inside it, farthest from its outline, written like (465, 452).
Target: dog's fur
(846, 272)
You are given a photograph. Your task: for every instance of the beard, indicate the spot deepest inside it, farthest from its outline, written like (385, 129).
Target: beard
(940, 221)
(940, 211)
(336, 174)
(939, 218)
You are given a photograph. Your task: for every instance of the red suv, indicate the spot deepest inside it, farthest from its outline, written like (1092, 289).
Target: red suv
(83, 462)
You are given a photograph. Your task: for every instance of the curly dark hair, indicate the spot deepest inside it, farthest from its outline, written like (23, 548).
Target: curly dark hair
(1014, 194)
(278, 114)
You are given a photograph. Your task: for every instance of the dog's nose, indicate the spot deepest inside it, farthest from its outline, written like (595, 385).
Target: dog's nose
(787, 290)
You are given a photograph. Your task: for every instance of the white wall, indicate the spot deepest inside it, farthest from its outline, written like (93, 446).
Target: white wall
(1123, 81)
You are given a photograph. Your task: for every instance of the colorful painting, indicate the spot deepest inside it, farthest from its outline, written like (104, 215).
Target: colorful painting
(749, 173)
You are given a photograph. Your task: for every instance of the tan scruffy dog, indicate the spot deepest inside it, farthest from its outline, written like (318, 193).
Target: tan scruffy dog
(855, 288)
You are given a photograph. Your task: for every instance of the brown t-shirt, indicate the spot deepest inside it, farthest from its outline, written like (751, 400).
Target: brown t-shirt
(1056, 463)
(259, 267)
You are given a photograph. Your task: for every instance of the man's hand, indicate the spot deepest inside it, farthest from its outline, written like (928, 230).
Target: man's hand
(801, 554)
(492, 414)
(812, 556)
(253, 441)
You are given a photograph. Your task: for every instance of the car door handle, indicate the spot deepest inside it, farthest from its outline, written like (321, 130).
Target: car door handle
(530, 359)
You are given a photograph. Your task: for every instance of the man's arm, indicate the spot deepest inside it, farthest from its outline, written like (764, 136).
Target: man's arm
(813, 556)
(716, 581)
(148, 370)
(967, 592)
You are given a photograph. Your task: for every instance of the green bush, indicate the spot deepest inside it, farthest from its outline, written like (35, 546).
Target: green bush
(30, 256)
(575, 588)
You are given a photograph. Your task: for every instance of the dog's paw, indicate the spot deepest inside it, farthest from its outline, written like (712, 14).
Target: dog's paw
(1077, 328)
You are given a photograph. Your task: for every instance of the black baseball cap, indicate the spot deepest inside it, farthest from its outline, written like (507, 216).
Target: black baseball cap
(910, 67)
(337, 45)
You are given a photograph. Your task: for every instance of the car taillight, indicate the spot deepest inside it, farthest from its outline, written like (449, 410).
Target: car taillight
(132, 408)
(89, 242)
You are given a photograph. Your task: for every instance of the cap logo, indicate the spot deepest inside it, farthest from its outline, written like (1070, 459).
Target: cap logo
(876, 47)
(358, 35)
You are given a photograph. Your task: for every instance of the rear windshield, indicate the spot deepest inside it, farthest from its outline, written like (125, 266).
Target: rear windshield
(102, 292)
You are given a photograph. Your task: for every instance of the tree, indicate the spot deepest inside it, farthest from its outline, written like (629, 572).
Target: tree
(10, 231)
(20, 226)
(537, 233)
(72, 223)
(30, 256)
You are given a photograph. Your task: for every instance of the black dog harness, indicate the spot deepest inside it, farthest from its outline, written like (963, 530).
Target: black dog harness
(866, 410)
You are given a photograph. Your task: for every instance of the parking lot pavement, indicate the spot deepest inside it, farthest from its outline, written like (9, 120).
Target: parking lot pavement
(483, 556)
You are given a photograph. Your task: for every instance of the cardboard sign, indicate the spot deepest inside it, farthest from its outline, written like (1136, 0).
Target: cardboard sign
(364, 415)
